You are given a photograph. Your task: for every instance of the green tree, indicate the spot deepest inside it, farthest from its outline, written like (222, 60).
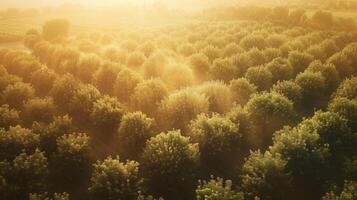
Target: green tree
(280, 69)
(169, 165)
(125, 84)
(260, 77)
(217, 189)
(112, 180)
(8, 117)
(218, 139)
(134, 130)
(218, 94)
(264, 176)
(289, 89)
(241, 90)
(39, 110)
(349, 192)
(15, 95)
(63, 90)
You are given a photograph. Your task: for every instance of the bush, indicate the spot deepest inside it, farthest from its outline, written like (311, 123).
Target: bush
(55, 28)
(241, 90)
(170, 155)
(260, 77)
(112, 179)
(178, 109)
(134, 130)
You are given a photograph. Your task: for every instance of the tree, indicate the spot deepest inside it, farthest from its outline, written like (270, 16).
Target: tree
(313, 89)
(280, 69)
(43, 80)
(27, 173)
(45, 196)
(242, 62)
(87, 66)
(260, 77)
(63, 90)
(322, 19)
(178, 109)
(264, 176)
(269, 112)
(329, 72)
(218, 138)
(16, 140)
(39, 110)
(55, 28)
(253, 41)
(134, 130)
(106, 114)
(104, 77)
(177, 77)
(200, 66)
(8, 117)
(299, 60)
(223, 70)
(135, 59)
(15, 95)
(241, 90)
(218, 94)
(112, 180)
(70, 166)
(349, 192)
(169, 164)
(347, 88)
(148, 95)
(347, 109)
(289, 89)
(80, 106)
(217, 189)
(125, 84)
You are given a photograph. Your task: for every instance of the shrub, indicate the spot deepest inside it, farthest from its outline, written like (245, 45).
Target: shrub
(105, 76)
(136, 59)
(200, 66)
(280, 69)
(289, 89)
(43, 80)
(87, 66)
(63, 90)
(178, 77)
(242, 62)
(299, 61)
(348, 88)
(253, 41)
